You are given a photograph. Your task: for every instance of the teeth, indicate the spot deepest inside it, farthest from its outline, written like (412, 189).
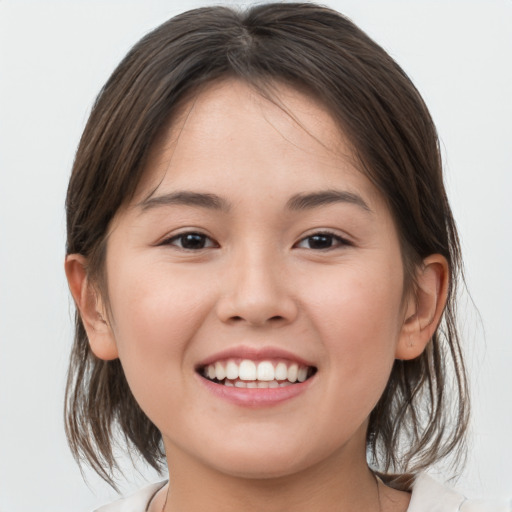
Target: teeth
(257, 384)
(252, 374)
(220, 373)
(247, 370)
(232, 370)
(281, 372)
(302, 374)
(292, 372)
(266, 371)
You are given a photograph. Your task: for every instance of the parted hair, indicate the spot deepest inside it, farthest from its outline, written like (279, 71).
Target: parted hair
(422, 415)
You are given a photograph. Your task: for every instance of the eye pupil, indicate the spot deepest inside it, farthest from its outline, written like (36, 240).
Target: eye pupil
(193, 241)
(320, 241)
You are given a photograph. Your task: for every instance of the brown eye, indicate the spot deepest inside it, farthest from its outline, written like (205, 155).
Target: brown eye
(191, 241)
(320, 241)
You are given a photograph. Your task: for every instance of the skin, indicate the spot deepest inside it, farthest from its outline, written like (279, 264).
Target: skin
(258, 282)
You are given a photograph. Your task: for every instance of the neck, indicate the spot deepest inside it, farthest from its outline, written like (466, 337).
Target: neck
(335, 484)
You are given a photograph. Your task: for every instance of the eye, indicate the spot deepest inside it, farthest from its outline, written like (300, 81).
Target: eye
(321, 241)
(191, 241)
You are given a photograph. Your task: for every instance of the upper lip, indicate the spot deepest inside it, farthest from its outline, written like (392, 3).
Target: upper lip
(254, 354)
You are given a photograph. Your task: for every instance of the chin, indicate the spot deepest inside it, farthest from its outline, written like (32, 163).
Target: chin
(262, 468)
(265, 460)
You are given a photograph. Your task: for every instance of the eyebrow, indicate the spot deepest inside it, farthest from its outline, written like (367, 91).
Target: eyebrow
(298, 202)
(325, 197)
(183, 197)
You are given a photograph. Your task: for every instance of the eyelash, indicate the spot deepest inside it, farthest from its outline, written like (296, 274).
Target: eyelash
(340, 241)
(201, 237)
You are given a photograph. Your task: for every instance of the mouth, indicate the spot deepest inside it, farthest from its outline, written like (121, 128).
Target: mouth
(261, 374)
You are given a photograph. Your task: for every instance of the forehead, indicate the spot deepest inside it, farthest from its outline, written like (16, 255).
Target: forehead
(281, 137)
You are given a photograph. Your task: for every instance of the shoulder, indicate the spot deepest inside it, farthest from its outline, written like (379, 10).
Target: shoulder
(136, 502)
(428, 495)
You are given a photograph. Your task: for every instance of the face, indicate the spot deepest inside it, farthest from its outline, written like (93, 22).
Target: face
(255, 287)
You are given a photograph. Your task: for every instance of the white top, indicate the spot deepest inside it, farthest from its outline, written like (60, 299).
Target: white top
(427, 496)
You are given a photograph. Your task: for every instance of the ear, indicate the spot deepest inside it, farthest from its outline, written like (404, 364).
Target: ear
(91, 308)
(424, 307)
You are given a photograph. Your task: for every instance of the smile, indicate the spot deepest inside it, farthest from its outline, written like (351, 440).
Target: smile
(247, 373)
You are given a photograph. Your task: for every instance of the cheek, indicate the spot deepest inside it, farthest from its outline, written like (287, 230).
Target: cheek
(358, 301)
(358, 315)
(155, 316)
(153, 307)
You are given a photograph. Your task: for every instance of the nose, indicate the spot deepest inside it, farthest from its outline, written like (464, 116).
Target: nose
(257, 291)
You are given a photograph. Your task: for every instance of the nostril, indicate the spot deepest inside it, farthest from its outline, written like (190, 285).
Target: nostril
(253, 321)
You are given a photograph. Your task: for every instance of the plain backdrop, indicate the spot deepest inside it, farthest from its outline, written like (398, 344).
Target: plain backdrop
(55, 56)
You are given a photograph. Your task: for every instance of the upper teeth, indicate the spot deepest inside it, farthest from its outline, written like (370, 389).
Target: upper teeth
(251, 370)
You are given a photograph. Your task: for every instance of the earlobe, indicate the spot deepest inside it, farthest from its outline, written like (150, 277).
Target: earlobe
(424, 308)
(91, 308)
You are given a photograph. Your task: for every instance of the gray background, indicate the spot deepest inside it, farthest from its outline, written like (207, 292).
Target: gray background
(54, 57)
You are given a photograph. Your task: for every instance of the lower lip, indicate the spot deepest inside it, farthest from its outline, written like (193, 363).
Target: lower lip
(256, 397)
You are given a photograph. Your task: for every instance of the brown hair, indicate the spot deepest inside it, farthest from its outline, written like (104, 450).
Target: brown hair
(417, 420)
